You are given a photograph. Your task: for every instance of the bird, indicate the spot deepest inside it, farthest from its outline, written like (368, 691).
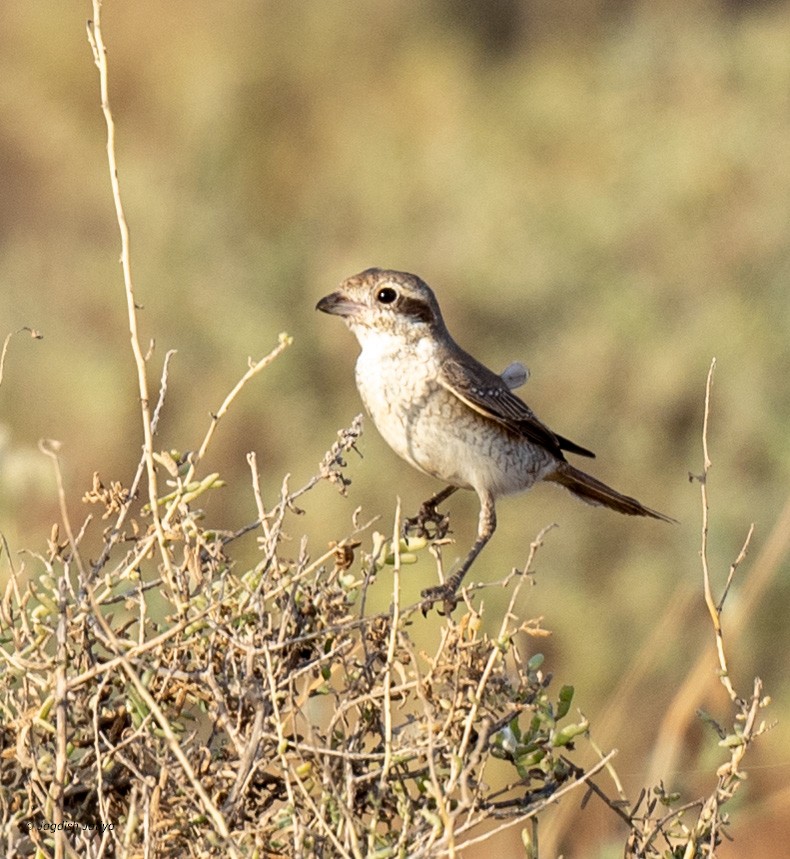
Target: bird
(450, 416)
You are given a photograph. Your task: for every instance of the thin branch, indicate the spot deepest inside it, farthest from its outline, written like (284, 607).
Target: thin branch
(714, 609)
(539, 806)
(96, 40)
(61, 716)
(33, 333)
(115, 534)
(51, 448)
(255, 367)
(391, 644)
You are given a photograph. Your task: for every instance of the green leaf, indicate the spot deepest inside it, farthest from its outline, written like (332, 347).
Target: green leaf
(564, 702)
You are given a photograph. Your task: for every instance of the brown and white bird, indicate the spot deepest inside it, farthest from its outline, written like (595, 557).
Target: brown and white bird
(447, 414)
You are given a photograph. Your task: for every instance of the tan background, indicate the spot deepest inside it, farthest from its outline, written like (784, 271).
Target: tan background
(600, 190)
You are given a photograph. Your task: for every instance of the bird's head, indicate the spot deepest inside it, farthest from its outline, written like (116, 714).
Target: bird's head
(379, 301)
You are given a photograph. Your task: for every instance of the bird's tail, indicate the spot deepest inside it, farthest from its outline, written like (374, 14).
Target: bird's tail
(593, 491)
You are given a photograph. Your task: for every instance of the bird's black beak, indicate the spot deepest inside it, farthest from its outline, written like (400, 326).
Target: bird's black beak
(337, 304)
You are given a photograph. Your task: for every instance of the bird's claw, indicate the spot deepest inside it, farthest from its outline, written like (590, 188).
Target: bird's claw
(428, 515)
(441, 593)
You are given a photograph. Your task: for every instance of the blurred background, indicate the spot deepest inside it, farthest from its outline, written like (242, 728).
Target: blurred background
(599, 189)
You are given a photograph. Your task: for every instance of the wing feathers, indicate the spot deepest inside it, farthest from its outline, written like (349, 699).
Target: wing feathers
(486, 393)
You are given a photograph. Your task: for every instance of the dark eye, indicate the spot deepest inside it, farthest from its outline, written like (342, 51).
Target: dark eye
(386, 295)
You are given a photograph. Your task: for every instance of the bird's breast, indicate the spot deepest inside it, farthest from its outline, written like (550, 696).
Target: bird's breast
(396, 383)
(435, 431)
(400, 389)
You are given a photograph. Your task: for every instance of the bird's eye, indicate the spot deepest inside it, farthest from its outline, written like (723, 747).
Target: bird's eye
(386, 295)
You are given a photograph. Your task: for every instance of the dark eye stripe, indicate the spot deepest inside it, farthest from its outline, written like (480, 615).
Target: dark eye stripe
(416, 308)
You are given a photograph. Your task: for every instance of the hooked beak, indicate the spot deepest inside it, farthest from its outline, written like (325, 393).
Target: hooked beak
(337, 304)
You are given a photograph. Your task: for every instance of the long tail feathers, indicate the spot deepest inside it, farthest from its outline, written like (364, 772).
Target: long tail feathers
(593, 491)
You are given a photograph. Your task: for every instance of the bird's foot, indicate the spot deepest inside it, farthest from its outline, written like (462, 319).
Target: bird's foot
(422, 522)
(446, 594)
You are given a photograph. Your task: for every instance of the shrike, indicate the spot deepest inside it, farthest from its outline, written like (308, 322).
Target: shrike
(448, 415)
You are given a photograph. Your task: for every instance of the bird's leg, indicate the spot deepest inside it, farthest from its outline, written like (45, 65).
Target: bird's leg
(485, 530)
(429, 514)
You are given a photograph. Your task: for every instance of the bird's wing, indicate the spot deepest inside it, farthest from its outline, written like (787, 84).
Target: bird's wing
(486, 393)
